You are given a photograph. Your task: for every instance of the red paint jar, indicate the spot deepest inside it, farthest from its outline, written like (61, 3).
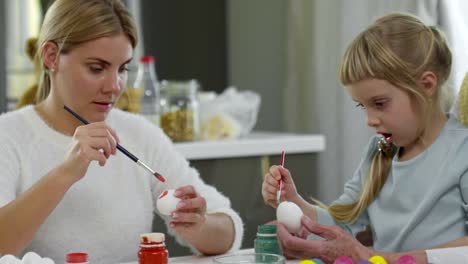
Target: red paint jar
(153, 249)
(77, 257)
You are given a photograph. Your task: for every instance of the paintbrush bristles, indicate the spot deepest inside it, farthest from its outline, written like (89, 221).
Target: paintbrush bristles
(159, 176)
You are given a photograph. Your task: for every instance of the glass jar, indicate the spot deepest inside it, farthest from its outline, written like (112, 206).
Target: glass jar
(179, 110)
(266, 241)
(153, 249)
(145, 90)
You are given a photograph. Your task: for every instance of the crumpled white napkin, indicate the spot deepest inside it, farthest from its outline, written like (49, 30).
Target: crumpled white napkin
(28, 258)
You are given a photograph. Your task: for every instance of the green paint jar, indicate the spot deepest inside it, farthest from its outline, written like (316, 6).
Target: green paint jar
(266, 241)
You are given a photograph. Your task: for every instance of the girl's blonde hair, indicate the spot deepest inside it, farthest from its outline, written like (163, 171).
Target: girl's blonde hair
(70, 23)
(397, 48)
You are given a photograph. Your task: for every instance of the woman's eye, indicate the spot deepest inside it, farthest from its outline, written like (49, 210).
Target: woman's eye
(124, 69)
(96, 69)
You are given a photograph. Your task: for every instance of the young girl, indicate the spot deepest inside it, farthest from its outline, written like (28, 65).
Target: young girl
(64, 187)
(412, 184)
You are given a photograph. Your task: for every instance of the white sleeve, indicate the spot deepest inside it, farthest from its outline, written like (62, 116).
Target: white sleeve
(9, 173)
(455, 255)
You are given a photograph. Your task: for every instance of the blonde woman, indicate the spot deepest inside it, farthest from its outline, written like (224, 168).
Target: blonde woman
(412, 184)
(63, 185)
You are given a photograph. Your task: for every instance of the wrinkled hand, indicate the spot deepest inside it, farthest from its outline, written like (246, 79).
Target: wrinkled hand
(337, 243)
(271, 184)
(96, 141)
(190, 212)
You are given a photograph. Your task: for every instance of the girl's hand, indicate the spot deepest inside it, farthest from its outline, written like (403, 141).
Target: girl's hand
(337, 243)
(96, 141)
(190, 212)
(271, 184)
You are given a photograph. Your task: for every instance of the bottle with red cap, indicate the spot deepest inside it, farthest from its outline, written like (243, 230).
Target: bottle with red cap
(146, 87)
(77, 258)
(153, 249)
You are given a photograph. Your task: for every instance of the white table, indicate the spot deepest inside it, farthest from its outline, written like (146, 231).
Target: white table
(254, 144)
(207, 260)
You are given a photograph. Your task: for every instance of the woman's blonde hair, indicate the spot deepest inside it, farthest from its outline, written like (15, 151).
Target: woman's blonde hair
(397, 48)
(70, 23)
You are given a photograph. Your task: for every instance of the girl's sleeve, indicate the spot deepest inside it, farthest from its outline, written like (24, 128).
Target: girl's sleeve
(178, 172)
(9, 173)
(352, 191)
(461, 160)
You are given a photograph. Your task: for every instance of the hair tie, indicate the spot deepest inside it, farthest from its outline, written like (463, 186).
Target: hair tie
(386, 148)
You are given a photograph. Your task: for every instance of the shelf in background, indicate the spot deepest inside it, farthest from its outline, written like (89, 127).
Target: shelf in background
(254, 144)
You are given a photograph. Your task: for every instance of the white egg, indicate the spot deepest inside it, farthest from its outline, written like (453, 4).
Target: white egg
(31, 258)
(289, 214)
(167, 202)
(9, 259)
(47, 261)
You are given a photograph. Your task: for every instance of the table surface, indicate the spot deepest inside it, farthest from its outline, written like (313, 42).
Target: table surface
(207, 260)
(254, 144)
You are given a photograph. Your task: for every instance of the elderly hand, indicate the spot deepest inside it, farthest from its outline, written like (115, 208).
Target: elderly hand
(190, 212)
(337, 243)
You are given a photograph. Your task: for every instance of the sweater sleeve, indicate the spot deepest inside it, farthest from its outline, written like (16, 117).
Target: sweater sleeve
(9, 174)
(178, 172)
(352, 191)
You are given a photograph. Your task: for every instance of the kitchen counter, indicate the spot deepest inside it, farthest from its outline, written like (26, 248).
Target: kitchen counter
(254, 144)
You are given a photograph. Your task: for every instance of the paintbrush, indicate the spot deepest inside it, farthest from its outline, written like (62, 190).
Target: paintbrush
(122, 149)
(278, 193)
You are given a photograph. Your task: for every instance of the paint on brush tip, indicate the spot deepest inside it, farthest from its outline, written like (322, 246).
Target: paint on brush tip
(160, 177)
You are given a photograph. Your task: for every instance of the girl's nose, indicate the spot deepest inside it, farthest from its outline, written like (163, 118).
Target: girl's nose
(372, 120)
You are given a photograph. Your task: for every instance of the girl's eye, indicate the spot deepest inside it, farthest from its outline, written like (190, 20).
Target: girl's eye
(380, 104)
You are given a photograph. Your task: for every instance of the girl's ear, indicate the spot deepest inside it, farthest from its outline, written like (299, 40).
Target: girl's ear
(50, 55)
(429, 83)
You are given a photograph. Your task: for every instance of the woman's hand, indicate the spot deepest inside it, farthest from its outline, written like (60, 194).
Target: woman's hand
(96, 141)
(190, 212)
(271, 184)
(337, 243)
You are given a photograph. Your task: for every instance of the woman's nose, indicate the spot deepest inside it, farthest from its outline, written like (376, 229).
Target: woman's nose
(113, 83)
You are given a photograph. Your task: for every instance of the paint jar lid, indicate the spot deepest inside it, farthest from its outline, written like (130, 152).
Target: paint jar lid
(266, 229)
(152, 238)
(77, 257)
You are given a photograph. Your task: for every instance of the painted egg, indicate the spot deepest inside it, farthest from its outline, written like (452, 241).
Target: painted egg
(289, 214)
(406, 259)
(307, 261)
(377, 260)
(167, 202)
(343, 260)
